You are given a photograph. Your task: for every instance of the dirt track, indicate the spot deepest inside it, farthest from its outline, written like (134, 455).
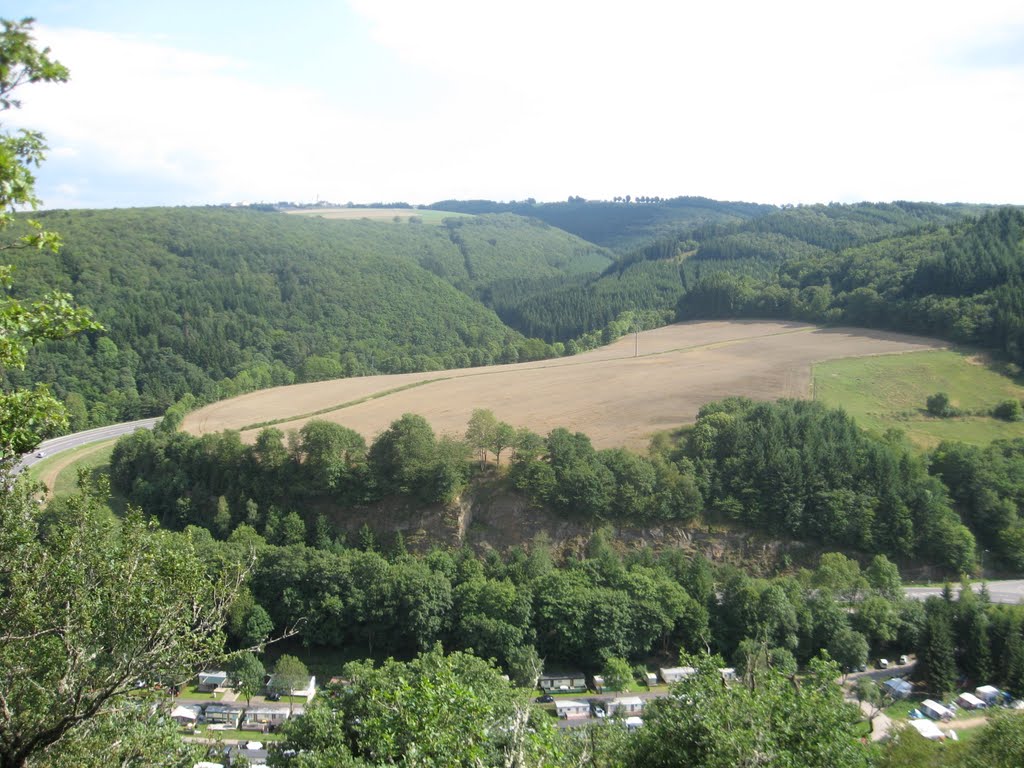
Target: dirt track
(614, 397)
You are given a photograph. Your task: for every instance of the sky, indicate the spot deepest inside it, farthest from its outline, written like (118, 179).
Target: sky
(193, 103)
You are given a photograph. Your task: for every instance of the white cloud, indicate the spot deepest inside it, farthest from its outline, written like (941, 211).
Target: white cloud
(791, 102)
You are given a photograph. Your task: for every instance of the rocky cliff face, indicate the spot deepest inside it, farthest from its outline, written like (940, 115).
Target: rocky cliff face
(492, 516)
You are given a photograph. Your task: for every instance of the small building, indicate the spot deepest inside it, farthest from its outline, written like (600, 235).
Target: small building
(572, 710)
(936, 711)
(651, 678)
(263, 719)
(634, 722)
(970, 701)
(898, 688)
(307, 690)
(566, 682)
(222, 714)
(627, 705)
(988, 693)
(598, 683)
(728, 673)
(185, 715)
(209, 681)
(675, 674)
(253, 756)
(928, 729)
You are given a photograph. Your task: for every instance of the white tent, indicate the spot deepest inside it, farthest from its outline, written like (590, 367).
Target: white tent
(898, 688)
(928, 729)
(987, 693)
(970, 701)
(936, 711)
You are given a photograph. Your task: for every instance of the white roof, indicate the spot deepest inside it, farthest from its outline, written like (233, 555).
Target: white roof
(986, 690)
(970, 698)
(628, 701)
(182, 711)
(678, 670)
(634, 720)
(570, 704)
(927, 728)
(934, 706)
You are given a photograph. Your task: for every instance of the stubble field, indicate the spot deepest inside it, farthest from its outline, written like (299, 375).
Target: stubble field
(616, 398)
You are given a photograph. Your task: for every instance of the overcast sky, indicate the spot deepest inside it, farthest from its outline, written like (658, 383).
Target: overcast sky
(188, 102)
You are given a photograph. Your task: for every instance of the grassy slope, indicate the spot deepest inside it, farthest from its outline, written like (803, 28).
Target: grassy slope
(60, 472)
(890, 391)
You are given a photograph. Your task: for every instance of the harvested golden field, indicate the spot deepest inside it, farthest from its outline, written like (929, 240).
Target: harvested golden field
(618, 399)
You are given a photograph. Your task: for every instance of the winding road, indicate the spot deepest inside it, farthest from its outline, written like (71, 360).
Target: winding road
(78, 439)
(1008, 591)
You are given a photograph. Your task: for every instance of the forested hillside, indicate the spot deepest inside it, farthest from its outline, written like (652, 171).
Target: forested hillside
(655, 275)
(621, 225)
(963, 282)
(216, 302)
(792, 469)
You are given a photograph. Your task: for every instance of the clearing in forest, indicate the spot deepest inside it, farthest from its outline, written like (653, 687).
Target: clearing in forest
(619, 395)
(884, 392)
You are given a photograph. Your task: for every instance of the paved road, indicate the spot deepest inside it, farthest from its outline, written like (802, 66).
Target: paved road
(67, 442)
(1009, 591)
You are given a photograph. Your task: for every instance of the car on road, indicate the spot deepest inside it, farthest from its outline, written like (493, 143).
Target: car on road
(40, 454)
(545, 699)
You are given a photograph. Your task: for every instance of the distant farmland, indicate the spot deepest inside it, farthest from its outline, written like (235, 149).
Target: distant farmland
(614, 397)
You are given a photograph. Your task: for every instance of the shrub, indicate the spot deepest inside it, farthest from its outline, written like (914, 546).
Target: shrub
(1009, 410)
(939, 405)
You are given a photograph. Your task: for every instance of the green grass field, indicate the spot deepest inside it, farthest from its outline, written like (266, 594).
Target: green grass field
(86, 457)
(192, 692)
(891, 390)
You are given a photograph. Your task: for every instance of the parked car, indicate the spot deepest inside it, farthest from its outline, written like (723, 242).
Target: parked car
(545, 699)
(904, 659)
(599, 713)
(883, 663)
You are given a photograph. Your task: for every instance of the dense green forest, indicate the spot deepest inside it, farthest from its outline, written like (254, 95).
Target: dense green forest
(214, 302)
(793, 469)
(621, 225)
(675, 271)
(960, 282)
